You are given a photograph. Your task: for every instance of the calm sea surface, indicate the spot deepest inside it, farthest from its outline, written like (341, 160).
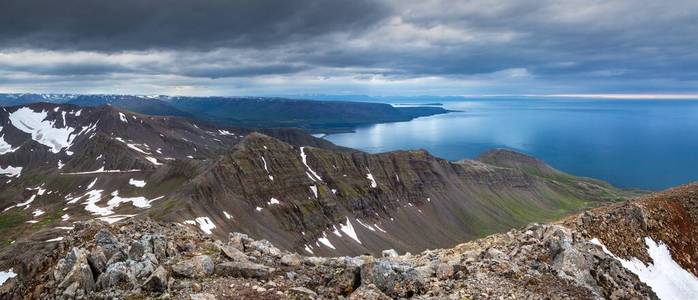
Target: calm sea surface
(643, 144)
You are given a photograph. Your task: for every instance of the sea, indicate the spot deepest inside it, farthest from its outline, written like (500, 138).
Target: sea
(645, 144)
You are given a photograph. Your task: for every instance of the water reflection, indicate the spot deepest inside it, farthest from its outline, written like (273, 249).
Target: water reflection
(646, 144)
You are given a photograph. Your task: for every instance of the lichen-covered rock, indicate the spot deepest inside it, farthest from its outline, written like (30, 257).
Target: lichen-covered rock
(292, 259)
(157, 282)
(198, 266)
(243, 269)
(74, 271)
(368, 291)
(389, 253)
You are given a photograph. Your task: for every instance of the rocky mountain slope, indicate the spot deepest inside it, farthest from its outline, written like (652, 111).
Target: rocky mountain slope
(590, 255)
(65, 163)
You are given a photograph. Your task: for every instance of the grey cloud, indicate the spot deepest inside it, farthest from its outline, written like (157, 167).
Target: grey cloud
(107, 25)
(570, 45)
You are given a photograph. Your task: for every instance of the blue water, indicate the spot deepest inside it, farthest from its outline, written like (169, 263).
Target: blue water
(649, 144)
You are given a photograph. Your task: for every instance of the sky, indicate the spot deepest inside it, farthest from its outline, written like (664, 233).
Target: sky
(635, 48)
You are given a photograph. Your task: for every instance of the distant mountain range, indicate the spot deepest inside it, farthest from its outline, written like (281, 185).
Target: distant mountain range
(312, 115)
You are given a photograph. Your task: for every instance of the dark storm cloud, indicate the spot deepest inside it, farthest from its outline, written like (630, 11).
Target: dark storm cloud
(506, 46)
(108, 25)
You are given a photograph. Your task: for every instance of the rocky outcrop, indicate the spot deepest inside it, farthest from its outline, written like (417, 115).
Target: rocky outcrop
(670, 217)
(123, 261)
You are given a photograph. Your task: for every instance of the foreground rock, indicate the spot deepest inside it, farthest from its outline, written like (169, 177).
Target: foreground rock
(141, 258)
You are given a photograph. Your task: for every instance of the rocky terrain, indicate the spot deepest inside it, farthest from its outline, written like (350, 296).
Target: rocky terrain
(140, 258)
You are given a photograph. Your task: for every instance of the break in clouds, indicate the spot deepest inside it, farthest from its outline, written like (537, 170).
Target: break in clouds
(348, 47)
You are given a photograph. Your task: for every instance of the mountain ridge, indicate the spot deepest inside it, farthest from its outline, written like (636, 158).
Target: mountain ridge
(253, 112)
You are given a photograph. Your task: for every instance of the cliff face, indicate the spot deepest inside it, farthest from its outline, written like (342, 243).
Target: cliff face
(329, 202)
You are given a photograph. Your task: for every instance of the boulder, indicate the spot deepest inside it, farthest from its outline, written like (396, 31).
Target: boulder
(75, 269)
(157, 282)
(198, 266)
(389, 253)
(243, 269)
(138, 248)
(345, 281)
(368, 291)
(109, 244)
(301, 293)
(202, 296)
(445, 271)
(232, 252)
(291, 259)
(157, 245)
(97, 260)
(315, 261)
(119, 275)
(266, 247)
(238, 240)
(395, 280)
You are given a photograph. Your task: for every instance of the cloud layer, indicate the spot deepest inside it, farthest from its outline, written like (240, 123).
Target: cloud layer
(355, 47)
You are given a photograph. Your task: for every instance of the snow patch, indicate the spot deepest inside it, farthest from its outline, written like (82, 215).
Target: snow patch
(92, 184)
(273, 201)
(326, 241)
(5, 147)
(313, 188)
(123, 117)
(304, 158)
(227, 215)
(205, 224)
(5, 275)
(369, 227)
(267, 169)
(11, 171)
(101, 170)
(369, 176)
(225, 132)
(136, 183)
(665, 276)
(44, 132)
(348, 229)
(26, 203)
(95, 196)
(58, 239)
(153, 160)
(37, 212)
